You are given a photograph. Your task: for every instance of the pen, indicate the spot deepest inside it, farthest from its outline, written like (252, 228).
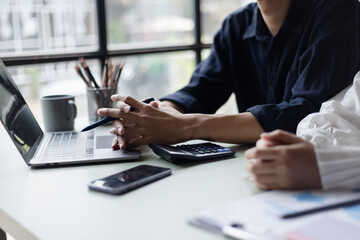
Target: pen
(109, 119)
(98, 123)
(319, 209)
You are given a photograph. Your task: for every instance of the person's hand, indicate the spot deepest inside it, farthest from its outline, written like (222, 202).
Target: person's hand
(149, 123)
(118, 131)
(282, 160)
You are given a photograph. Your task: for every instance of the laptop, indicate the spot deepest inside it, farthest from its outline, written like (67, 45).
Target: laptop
(55, 148)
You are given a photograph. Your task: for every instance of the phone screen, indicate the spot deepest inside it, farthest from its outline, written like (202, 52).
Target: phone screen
(129, 179)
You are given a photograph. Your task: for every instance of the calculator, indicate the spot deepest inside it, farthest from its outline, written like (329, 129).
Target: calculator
(191, 152)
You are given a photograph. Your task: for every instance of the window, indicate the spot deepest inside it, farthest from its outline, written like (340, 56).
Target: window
(213, 13)
(149, 23)
(160, 40)
(47, 27)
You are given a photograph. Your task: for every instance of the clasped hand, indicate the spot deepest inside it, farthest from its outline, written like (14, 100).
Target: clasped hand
(282, 160)
(155, 122)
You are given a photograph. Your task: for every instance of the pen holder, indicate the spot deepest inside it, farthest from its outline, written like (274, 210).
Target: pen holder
(99, 98)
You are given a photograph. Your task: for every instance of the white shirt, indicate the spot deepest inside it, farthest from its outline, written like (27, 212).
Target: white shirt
(335, 132)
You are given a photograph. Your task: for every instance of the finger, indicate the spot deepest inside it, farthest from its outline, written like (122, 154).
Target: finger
(128, 100)
(262, 167)
(116, 113)
(250, 154)
(116, 97)
(115, 144)
(113, 131)
(119, 127)
(266, 181)
(268, 186)
(263, 143)
(109, 112)
(281, 137)
(123, 107)
(266, 178)
(118, 123)
(263, 153)
(154, 104)
(122, 142)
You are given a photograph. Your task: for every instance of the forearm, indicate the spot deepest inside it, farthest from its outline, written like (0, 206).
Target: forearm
(238, 128)
(159, 123)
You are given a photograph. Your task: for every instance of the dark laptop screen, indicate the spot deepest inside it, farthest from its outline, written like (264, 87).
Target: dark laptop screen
(17, 118)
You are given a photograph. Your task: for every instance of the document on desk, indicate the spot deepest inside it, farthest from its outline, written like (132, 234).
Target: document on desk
(261, 216)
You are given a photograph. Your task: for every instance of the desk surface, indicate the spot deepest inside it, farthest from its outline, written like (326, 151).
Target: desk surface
(55, 203)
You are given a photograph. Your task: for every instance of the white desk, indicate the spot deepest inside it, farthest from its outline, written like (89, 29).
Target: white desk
(55, 203)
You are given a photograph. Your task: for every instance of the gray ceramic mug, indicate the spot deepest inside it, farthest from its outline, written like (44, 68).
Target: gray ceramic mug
(59, 112)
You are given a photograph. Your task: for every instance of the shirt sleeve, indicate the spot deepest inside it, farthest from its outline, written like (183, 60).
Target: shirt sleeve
(335, 132)
(325, 68)
(210, 84)
(339, 166)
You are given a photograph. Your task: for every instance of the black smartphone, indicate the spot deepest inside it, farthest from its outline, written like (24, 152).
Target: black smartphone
(130, 179)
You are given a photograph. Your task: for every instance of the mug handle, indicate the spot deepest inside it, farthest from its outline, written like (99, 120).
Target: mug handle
(73, 112)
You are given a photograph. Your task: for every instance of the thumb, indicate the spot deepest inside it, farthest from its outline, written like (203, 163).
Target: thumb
(282, 137)
(154, 104)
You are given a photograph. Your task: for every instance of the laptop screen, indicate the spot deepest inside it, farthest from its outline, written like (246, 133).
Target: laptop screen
(17, 118)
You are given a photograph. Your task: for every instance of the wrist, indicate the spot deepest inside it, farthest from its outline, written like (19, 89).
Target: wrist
(194, 127)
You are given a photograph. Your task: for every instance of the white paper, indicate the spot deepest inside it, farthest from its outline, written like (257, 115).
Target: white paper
(265, 209)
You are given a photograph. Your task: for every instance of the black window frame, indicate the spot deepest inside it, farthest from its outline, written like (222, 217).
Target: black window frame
(103, 53)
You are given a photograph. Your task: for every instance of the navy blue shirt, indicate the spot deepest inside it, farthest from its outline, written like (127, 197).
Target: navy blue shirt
(279, 79)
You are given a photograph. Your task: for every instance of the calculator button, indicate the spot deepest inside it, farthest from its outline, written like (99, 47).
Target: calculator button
(190, 152)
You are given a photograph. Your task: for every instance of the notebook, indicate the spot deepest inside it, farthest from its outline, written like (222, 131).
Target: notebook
(57, 148)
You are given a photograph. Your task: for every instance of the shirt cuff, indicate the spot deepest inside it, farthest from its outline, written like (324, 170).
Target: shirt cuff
(272, 116)
(339, 166)
(264, 117)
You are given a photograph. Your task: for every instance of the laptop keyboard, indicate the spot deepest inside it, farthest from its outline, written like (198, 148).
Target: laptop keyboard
(68, 146)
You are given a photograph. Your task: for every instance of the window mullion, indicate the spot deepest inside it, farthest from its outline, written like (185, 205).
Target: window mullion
(101, 15)
(198, 31)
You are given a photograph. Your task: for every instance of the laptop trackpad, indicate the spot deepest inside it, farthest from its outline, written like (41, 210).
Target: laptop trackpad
(103, 142)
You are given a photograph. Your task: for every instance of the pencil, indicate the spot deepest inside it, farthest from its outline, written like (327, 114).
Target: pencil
(104, 75)
(78, 70)
(110, 75)
(116, 72)
(118, 76)
(88, 72)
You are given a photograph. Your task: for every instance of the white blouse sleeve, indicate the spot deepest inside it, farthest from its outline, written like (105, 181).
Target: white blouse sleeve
(339, 166)
(335, 132)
